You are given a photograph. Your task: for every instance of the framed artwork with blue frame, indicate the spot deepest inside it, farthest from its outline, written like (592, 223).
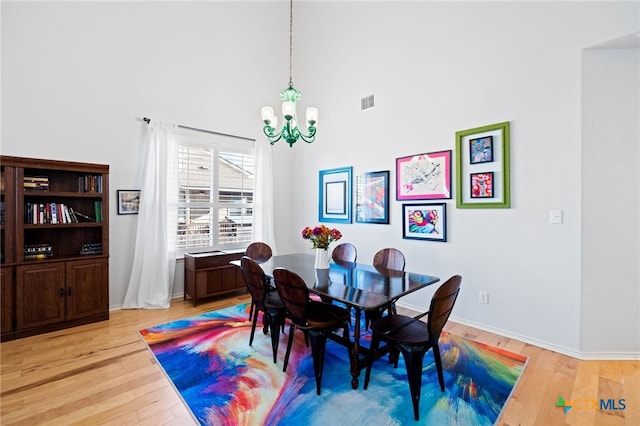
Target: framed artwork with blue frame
(372, 197)
(334, 191)
(427, 221)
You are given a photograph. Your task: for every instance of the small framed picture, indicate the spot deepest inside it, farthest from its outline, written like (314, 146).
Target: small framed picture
(424, 221)
(335, 195)
(482, 167)
(481, 150)
(482, 185)
(372, 197)
(424, 176)
(128, 201)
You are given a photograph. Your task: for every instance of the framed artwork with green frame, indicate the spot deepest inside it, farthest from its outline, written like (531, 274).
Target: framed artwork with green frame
(482, 163)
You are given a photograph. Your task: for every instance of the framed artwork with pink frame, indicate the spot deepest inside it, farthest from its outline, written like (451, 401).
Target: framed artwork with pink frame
(424, 176)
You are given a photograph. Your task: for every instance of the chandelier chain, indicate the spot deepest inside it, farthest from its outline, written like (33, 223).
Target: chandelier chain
(291, 43)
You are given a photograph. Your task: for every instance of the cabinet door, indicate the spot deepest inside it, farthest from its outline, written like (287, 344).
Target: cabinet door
(87, 288)
(40, 295)
(6, 299)
(231, 278)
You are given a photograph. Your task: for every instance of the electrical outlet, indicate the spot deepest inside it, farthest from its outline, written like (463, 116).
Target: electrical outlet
(483, 297)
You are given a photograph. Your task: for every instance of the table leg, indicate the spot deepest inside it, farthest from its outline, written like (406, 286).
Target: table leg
(355, 352)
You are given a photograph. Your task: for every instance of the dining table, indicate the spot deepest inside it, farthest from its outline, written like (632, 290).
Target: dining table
(360, 286)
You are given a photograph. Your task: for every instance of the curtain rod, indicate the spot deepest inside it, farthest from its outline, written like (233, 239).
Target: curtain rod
(148, 121)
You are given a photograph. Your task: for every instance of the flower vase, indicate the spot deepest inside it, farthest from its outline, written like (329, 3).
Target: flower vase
(322, 258)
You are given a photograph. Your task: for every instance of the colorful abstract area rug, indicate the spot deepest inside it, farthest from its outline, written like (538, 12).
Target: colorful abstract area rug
(224, 381)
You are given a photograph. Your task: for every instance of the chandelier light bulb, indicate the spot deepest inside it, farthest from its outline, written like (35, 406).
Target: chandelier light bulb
(288, 110)
(312, 115)
(267, 115)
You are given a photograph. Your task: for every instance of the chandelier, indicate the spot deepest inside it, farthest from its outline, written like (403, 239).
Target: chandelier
(290, 131)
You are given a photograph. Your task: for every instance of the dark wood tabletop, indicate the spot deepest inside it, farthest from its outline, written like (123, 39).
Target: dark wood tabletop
(355, 284)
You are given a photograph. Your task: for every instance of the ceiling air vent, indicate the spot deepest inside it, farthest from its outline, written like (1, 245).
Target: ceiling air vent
(366, 102)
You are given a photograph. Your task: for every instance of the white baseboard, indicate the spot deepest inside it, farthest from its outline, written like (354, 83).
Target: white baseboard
(592, 356)
(173, 297)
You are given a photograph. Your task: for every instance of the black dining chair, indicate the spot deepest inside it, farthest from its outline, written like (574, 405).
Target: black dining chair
(266, 301)
(260, 252)
(344, 253)
(413, 338)
(386, 259)
(315, 319)
(389, 258)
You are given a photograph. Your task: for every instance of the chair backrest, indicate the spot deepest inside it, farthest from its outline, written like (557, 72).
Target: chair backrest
(259, 251)
(442, 304)
(389, 258)
(345, 252)
(293, 293)
(254, 278)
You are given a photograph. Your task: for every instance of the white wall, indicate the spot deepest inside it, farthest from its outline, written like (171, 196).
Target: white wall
(610, 202)
(436, 68)
(76, 75)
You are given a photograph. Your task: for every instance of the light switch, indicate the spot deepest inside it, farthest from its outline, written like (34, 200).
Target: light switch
(555, 217)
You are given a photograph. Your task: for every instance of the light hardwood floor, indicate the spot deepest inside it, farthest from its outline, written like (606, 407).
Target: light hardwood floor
(103, 374)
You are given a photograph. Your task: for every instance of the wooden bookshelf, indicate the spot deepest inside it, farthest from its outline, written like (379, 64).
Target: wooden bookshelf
(50, 280)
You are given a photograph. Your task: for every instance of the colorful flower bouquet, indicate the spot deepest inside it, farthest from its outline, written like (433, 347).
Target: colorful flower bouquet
(321, 236)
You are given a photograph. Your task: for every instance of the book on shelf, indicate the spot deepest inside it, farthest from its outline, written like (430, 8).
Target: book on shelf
(38, 247)
(84, 216)
(48, 213)
(37, 256)
(97, 205)
(91, 248)
(38, 251)
(36, 183)
(90, 183)
(72, 213)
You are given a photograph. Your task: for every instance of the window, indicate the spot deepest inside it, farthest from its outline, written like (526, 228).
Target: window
(215, 202)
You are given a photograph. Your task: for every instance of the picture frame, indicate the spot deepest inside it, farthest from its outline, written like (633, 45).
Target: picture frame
(128, 201)
(481, 150)
(483, 181)
(424, 176)
(372, 197)
(482, 185)
(425, 221)
(335, 186)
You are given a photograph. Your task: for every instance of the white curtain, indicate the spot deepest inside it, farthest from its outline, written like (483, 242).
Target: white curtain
(263, 197)
(154, 261)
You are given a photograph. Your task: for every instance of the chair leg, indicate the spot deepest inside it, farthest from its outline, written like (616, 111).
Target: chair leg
(292, 330)
(370, 316)
(251, 310)
(253, 327)
(274, 322)
(374, 347)
(436, 357)
(413, 358)
(318, 345)
(394, 357)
